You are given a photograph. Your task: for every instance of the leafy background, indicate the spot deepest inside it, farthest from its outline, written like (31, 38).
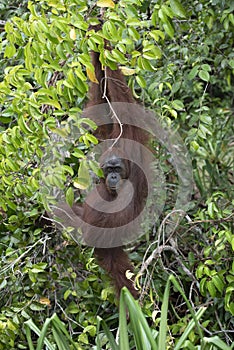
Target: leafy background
(178, 60)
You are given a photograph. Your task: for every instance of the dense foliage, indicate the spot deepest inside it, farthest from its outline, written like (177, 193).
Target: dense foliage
(179, 62)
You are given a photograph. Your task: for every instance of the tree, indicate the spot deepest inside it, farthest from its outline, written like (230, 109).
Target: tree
(178, 61)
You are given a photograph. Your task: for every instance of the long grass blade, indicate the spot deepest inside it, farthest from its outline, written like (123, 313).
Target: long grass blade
(138, 322)
(36, 330)
(109, 335)
(189, 327)
(163, 320)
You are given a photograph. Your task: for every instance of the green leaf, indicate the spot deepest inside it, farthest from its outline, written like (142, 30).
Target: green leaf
(164, 316)
(220, 344)
(211, 288)
(204, 75)
(141, 81)
(52, 103)
(91, 330)
(134, 33)
(23, 125)
(218, 283)
(167, 11)
(177, 8)
(178, 105)
(95, 168)
(133, 22)
(192, 74)
(156, 34)
(231, 63)
(169, 29)
(9, 51)
(119, 56)
(3, 284)
(206, 119)
(92, 139)
(70, 196)
(78, 153)
(73, 308)
(143, 63)
(206, 67)
(83, 180)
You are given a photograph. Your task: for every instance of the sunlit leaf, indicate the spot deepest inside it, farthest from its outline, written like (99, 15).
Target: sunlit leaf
(106, 3)
(72, 34)
(44, 301)
(127, 71)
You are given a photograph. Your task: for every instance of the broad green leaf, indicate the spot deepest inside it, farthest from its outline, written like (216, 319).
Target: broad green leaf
(92, 139)
(95, 168)
(177, 8)
(206, 67)
(218, 283)
(178, 105)
(119, 56)
(192, 74)
(168, 12)
(52, 103)
(108, 55)
(70, 196)
(28, 56)
(156, 34)
(231, 63)
(83, 180)
(145, 64)
(133, 33)
(78, 153)
(149, 55)
(206, 119)
(72, 308)
(133, 22)
(23, 125)
(173, 113)
(109, 30)
(9, 51)
(211, 288)
(91, 330)
(152, 53)
(141, 81)
(88, 122)
(169, 29)
(67, 294)
(204, 75)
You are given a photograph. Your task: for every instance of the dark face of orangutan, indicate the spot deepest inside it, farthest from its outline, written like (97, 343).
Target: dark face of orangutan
(115, 170)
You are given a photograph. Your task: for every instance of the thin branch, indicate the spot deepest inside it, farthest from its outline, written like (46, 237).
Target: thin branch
(13, 263)
(225, 332)
(158, 251)
(228, 218)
